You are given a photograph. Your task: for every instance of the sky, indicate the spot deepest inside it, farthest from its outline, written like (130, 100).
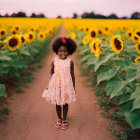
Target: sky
(66, 8)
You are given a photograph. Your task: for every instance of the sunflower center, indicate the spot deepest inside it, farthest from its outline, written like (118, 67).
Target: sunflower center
(139, 47)
(22, 39)
(117, 44)
(30, 36)
(2, 32)
(13, 32)
(135, 38)
(93, 34)
(41, 36)
(94, 46)
(129, 34)
(86, 29)
(17, 28)
(106, 28)
(100, 32)
(138, 33)
(50, 32)
(13, 42)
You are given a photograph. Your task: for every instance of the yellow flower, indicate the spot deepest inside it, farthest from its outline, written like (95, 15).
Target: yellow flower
(73, 35)
(30, 36)
(129, 33)
(13, 31)
(41, 36)
(14, 42)
(100, 32)
(138, 47)
(86, 39)
(3, 32)
(23, 39)
(17, 28)
(137, 59)
(95, 47)
(93, 33)
(137, 32)
(86, 29)
(135, 38)
(116, 44)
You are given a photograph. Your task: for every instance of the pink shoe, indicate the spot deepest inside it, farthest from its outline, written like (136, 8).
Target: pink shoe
(64, 124)
(58, 123)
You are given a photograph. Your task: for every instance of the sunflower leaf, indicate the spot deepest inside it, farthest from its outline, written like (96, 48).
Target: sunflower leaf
(133, 118)
(92, 60)
(25, 52)
(105, 74)
(85, 58)
(102, 59)
(114, 87)
(4, 58)
(136, 93)
(19, 64)
(2, 90)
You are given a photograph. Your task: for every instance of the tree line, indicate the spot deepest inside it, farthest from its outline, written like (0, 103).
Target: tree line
(135, 15)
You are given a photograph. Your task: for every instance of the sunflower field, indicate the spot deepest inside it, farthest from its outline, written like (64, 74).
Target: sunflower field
(110, 54)
(22, 43)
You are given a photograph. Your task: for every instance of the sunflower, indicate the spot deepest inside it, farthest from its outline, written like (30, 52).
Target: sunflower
(73, 35)
(32, 29)
(13, 31)
(137, 59)
(138, 47)
(95, 47)
(50, 31)
(41, 36)
(30, 36)
(14, 42)
(3, 32)
(135, 38)
(23, 39)
(100, 32)
(86, 29)
(137, 32)
(17, 28)
(116, 44)
(93, 33)
(1, 44)
(86, 39)
(81, 29)
(129, 33)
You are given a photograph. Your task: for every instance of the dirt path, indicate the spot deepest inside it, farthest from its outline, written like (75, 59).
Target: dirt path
(32, 118)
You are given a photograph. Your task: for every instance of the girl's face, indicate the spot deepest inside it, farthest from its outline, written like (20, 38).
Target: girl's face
(63, 52)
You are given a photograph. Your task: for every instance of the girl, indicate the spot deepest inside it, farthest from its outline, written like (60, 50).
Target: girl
(61, 87)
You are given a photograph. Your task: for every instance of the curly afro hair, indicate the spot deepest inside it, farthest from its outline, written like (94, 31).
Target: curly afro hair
(69, 43)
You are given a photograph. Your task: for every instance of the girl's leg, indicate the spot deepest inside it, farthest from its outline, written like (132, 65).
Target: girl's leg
(58, 110)
(65, 111)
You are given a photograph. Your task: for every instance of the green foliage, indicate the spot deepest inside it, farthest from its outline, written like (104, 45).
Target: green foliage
(121, 77)
(2, 90)
(14, 63)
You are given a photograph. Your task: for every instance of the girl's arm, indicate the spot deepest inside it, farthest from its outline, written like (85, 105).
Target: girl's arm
(51, 69)
(72, 73)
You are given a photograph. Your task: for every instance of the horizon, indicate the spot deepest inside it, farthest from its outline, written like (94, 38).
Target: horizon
(65, 9)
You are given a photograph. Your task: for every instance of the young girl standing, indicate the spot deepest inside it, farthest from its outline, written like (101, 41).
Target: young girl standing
(61, 87)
